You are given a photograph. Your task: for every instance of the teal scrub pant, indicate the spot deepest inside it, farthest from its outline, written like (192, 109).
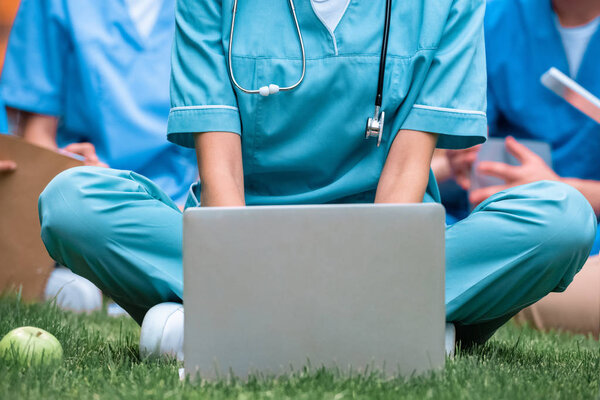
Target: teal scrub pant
(120, 231)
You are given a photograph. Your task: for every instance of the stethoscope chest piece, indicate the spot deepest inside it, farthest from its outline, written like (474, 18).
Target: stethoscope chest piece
(375, 125)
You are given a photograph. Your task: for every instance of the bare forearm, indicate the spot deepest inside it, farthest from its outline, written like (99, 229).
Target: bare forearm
(220, 167)
(406, 171)
(36, 128)
(589, 188)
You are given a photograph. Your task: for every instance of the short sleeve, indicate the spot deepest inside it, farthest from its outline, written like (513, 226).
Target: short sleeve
(452, 100)
(38, 51)
(202, 96)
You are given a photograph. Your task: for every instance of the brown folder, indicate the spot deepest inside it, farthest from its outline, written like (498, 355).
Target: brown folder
(24, 261)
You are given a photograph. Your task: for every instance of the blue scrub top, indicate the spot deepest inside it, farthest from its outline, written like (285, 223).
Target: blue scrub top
(85, 62)
(3, 120)
(522, 43)
(307, 145)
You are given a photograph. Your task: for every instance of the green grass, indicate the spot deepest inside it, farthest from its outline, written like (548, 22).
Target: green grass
(102, 362)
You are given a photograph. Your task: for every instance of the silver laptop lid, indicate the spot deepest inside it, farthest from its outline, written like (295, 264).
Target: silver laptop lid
(269, 288)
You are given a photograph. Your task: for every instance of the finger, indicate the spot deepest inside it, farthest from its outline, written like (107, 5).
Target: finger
(7, 165)
(461, 163)
(518, 150)
(460, 158)
(498, 169)
(469, 158)
(85, 149)
(474, 149)
(479, 195)
(464, 152)
(96, 163)
(464, 181)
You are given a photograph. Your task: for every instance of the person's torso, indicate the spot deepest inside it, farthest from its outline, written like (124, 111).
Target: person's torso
(522, 43)
(118, 92)
(307, 145)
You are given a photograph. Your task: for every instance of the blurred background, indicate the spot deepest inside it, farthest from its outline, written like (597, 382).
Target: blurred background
(8, 9)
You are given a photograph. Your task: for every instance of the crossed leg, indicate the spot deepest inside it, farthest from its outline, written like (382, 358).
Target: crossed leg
(120, 231)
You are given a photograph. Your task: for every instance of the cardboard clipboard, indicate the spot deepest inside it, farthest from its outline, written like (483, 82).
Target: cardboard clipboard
(24, 261)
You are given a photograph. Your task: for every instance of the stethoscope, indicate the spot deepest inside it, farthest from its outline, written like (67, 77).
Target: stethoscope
(375, 124)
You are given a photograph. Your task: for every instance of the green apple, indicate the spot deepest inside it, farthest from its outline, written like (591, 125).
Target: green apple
(31, 346)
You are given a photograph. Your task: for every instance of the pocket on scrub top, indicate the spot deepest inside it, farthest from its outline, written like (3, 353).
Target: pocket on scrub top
(244, 71)
(316, 128)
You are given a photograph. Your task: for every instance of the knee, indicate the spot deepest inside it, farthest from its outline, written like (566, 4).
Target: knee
(553, 212)
(569, 229)
(61, 207)
(571, 221)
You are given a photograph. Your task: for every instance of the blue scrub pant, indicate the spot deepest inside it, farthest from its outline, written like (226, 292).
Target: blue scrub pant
(120, 231)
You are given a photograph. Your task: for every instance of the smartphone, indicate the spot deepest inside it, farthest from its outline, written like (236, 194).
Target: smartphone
(572, 93)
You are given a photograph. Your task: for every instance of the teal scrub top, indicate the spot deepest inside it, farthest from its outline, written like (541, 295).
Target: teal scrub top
(85, 62)
(307, 145)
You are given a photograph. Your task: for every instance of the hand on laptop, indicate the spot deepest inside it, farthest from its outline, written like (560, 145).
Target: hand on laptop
(532, 169)
(7, 166)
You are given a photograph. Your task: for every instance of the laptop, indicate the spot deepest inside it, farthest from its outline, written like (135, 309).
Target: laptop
(355, 287)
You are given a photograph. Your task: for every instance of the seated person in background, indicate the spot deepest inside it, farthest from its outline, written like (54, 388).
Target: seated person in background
(93, 76)
(524, 38)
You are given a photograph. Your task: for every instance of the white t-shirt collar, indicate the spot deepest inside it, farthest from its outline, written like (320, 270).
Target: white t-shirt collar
(575, 42)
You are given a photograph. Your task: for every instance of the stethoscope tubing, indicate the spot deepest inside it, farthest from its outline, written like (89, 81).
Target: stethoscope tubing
(384, 47)
(375, 124)
(257, 91)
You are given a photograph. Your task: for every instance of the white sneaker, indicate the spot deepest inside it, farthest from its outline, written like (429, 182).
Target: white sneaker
(72, 292)
(450, 342)
(162, 331)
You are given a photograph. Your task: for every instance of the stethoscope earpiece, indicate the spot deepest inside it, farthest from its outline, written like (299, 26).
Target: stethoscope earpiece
(269, 90)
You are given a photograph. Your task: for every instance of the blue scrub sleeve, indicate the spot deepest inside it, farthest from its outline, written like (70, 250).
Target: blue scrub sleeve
(202, 97)
(3, 119)
(452, 100)
(36, 58)
(493, 113)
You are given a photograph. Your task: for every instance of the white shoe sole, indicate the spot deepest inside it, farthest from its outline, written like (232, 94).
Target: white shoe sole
(450, 339)
(162, 332)
(72, 292)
